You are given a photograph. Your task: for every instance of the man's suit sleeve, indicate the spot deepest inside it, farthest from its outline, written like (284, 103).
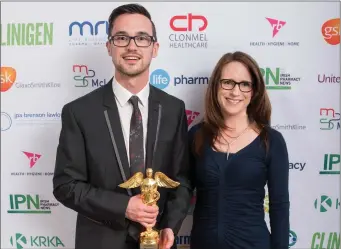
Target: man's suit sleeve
(178, 200)
(70, 180)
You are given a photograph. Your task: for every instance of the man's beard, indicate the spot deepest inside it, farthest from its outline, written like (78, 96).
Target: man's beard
(134, 73)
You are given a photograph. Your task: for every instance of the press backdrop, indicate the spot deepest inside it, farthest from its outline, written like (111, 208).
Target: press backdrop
(53, 53)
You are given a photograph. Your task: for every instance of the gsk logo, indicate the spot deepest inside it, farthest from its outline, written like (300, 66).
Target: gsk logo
(159, 78)
(191, 116)
(8, 76)
(325, 203)
(331, 31)
(276, 25)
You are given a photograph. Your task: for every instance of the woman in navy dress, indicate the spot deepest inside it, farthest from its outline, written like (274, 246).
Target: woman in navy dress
(234, 154)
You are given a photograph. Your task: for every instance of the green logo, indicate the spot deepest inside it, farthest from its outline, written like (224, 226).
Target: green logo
(19, 241)
(276, 80)
(325, 241)
(26, 34)
(29, 204)
(331, 161)
(324, 203)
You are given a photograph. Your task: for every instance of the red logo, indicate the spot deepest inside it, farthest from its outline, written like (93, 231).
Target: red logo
(32, 157)
(189, 25)
(191, 116)
(276, 25)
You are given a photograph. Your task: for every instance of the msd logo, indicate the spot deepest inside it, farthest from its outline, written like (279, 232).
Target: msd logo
(32, 157)
(276, 25)
(191, 116)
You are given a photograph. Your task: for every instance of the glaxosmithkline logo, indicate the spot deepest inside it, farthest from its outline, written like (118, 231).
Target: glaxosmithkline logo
(188, 31)
(326, 240)
(85, 77)
(278, 79)
(29, 204)
(331, 164)
(326, 203)
(329, 119)
(274, 27)
(88, 33)
(21, 241)
(331, 31)
(26, 34)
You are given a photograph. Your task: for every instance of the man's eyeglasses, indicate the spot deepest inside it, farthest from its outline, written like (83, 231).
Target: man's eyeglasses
(124, 40)
(228, 84)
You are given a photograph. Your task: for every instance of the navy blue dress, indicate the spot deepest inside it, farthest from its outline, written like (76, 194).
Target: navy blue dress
(229, 212)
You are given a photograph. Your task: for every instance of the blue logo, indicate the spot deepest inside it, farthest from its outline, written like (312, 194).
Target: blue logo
(159, 78)
(92, 29)
(292, 238)
(6, 121)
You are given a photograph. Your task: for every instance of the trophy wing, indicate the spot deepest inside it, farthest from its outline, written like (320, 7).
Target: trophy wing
(134, 181)
(164, 181)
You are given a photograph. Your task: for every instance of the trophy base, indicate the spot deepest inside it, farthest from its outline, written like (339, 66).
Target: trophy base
(144, 246)
(149, 239)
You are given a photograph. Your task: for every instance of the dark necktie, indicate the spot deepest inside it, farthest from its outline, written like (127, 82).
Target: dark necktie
(136, 139)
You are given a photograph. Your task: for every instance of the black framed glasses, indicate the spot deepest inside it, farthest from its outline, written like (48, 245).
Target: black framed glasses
(124, 40)
(228, 84)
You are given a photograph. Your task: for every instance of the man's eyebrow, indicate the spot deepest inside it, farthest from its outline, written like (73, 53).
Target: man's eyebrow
(125, 33)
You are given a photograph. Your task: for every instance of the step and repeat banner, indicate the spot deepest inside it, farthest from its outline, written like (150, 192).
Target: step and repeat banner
(53, 53)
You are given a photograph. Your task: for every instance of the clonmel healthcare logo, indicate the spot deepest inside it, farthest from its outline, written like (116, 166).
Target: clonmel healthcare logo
(274, 27)
(86, 77)
(188, 30)
(331, 165)
(30, 204)
(331, 31)
(329, 119)
(326, 240)
(8, 76)
(20, 241)
(278, 79)
(85, 33)
(26, 34)
(161, 79)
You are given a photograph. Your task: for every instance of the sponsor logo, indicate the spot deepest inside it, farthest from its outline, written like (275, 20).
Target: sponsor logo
(191, 116)
(331, 165)
(274, 28)
(291, 127)
(188, 31)
(85, 77)
(88, 33)
(326, 240)
(278, 79)
(26, 34)
(159, 78)
(6, 121)
(325, 203)
(331, 31)
(32, 157)
(329, 119)
(292, 238)
(183, 242)
(8, 76)
(30, 204)
(21, 241)
(299, 166)
(323, 78)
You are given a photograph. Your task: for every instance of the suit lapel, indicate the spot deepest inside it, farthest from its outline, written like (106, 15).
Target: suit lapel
(114, 121)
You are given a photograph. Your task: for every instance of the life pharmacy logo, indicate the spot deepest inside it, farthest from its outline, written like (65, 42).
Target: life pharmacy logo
(278, 79)
(8, 76)
(183, 241)
(329, 119)
(331, 31)
(331, 164)
(30, 204)
(292, 238)
(297, 166)
(26, 34)
(191, 116)
(188, 31)
(325, 203)
(88, 33)
(20, 241)
(85, 77)
(326, 240)
(276, 25)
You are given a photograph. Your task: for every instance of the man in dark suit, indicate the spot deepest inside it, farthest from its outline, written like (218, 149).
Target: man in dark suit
(121, 128)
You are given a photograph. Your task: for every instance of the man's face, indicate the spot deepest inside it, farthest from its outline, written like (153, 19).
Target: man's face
(132, 60)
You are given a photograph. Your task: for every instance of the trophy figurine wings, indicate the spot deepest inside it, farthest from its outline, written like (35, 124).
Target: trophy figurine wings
(149, 239)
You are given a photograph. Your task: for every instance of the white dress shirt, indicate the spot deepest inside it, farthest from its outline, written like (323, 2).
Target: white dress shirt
(125, 110)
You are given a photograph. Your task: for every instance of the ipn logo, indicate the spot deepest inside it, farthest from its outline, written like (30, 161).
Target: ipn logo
(159, 78)
(6, 121)
(18, 241)
(292, 238)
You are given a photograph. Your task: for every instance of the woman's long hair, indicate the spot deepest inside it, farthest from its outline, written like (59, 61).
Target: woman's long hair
(258, 111)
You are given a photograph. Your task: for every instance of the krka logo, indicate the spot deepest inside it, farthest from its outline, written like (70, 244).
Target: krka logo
(20, 241)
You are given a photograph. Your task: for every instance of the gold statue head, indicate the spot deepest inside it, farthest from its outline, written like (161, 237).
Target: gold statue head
(149, 172)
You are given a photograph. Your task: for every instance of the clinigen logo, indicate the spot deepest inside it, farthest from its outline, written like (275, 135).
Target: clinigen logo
(159, 78)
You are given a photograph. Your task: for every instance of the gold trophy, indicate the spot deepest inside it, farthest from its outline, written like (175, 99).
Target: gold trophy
(149, 239)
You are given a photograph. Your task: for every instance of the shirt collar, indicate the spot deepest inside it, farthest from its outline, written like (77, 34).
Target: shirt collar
(123, 95)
